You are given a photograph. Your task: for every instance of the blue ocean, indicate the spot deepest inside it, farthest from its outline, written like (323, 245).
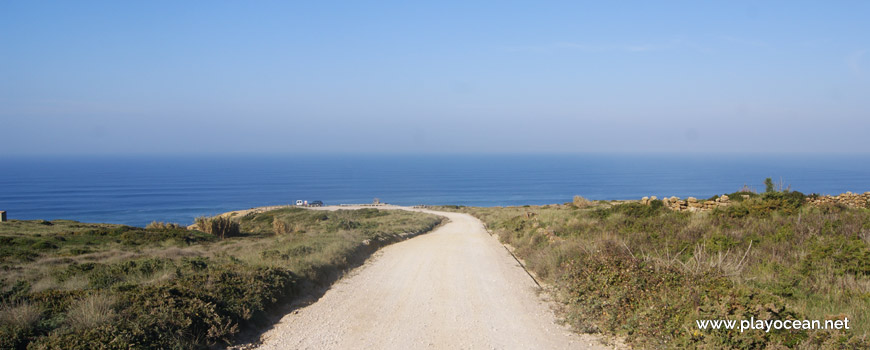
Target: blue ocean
(139, 189)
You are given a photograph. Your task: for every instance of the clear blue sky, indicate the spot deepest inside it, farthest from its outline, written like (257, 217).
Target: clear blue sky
(80, 77)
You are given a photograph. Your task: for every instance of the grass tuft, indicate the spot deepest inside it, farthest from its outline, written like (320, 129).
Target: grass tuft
(91, 311)
(21, 315)
(218, 226)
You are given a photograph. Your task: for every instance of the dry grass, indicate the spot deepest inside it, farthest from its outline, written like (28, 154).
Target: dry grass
(158, 225)
(77, 282)
(19, 315)
(729, 263)
(581, 202)
(219, 226)
(91, 311)
(281, 228)
(44, 283)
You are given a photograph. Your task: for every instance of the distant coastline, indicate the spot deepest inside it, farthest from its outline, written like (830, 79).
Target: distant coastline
(138, 190)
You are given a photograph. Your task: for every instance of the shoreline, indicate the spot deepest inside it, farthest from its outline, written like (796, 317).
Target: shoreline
(848, 199)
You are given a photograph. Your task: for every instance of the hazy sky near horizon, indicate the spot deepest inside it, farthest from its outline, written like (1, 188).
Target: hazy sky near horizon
(83, 77)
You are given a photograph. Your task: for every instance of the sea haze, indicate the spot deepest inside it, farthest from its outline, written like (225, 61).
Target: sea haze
(141, 189)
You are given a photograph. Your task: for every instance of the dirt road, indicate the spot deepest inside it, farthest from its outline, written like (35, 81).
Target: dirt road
(453, 288)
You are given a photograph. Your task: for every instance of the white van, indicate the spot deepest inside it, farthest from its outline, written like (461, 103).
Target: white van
(299, 202)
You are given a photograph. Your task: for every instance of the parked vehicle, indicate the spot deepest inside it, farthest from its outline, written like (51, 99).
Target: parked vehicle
(299, 202)
(316, 204)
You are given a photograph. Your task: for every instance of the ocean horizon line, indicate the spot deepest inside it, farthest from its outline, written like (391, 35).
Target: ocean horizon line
(457, 154)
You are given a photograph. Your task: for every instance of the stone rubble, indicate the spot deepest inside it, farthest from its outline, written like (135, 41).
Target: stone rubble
(689, 204)
(847, 199)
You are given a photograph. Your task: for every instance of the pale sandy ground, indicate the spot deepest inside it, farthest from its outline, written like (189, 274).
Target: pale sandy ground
(453, 288)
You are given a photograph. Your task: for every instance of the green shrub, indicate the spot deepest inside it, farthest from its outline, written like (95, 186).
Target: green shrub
(43, 245)
(720, 243)
(342, 224)
(768, 185)
(103, 276)
(633, 210)
(738, 196)
(764, 205)
(108, 336)
(371, 213)
(174, 317)
(787, 201)
(733, 211)
(839, 254)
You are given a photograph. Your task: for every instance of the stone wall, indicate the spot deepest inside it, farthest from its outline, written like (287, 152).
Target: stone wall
(690, 204)
(847, 199)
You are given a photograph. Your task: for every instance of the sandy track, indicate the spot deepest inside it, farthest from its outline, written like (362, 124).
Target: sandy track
(453, 288)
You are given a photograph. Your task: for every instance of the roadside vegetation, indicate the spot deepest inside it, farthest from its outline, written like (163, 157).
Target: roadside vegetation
(646, 273)
(72, 285)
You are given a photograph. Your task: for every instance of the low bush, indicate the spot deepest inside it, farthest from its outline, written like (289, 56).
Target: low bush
(765, 205)
(633, 210)
(741, 196)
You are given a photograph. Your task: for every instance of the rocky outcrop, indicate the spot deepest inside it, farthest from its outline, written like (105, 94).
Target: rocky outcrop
(847, 199)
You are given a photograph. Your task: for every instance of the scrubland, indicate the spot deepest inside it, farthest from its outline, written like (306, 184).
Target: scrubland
(67, 284)
(641, 272)
(646, 273)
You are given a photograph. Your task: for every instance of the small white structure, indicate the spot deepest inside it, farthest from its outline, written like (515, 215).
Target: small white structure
(2, 216)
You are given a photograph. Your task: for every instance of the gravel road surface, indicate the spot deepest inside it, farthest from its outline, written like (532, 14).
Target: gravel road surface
(453, 288)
